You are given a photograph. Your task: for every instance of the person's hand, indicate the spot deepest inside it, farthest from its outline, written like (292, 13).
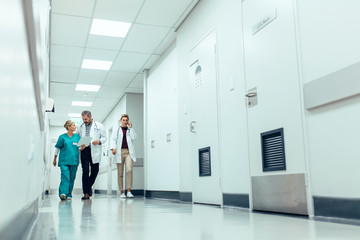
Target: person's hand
(113, 151)
(54, 162)
(96, 142)
(130, 124)
(82, 147)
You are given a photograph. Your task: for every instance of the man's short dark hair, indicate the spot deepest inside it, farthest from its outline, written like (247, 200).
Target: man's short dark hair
(86, 112)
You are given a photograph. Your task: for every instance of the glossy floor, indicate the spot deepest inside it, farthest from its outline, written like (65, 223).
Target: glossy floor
(109, 217)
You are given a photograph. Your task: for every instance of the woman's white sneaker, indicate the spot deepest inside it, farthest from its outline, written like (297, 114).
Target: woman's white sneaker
(123, 195)
(129, 195)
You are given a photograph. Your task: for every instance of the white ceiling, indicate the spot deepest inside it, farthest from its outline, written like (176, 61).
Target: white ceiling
(153, 29)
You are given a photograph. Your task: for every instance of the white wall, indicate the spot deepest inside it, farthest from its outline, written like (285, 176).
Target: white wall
(162, 163)
(131, 104)
(330, 42)
(22, 151)
(225, 17)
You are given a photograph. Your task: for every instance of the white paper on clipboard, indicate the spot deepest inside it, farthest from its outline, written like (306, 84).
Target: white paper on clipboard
(84, 140)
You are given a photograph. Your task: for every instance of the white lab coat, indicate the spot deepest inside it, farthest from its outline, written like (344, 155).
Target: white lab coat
(116, 142)
(97, 132)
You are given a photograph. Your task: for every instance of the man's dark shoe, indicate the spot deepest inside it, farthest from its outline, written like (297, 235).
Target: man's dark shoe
(85, 197)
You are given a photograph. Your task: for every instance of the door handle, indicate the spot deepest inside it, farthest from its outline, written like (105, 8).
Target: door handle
(250, 94)
(192, 127)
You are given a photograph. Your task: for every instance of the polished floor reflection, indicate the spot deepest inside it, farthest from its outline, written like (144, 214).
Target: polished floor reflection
(109, 217)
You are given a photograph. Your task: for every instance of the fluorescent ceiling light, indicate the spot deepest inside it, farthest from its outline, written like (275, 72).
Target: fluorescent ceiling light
(80, 103)
(76, 115)
(109, 28)
(78, 121)
(86, 87)
(96, 64)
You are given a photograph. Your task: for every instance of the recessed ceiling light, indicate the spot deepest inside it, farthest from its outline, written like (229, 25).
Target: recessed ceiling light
(77, 120)
(109, 28)
(81, 103)
(96, 64)
(86, 87)
(75, 115)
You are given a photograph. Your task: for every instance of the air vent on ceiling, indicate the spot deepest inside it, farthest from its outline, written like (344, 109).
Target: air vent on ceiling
(204, 162)
(273, 151)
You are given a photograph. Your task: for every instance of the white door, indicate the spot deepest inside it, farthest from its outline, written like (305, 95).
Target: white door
(274, 102)
(204, 125)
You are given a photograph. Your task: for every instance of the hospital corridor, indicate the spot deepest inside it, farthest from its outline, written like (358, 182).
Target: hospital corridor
(179, 119)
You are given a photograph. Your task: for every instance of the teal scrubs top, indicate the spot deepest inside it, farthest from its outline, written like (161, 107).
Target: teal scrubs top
(69, 151)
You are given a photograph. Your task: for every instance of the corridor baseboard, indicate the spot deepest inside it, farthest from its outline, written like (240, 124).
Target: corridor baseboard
(173, 195)
(236, 200)
(135, 192)
(337, 209)
(19, 227)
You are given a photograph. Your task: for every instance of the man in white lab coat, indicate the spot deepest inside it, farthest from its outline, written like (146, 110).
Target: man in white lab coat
(90, 155)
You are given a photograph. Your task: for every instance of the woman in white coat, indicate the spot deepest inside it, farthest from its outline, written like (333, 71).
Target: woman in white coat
(123, 148)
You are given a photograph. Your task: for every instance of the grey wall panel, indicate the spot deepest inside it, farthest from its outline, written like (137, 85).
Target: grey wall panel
(333, 87)
(280, 193)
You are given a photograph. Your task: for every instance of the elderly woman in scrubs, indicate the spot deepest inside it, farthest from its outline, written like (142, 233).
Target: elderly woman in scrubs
(68, 160)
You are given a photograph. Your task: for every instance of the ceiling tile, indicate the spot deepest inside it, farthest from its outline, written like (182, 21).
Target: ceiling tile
(61, 109)
(118, 10)
(162, 12)
(84, 94)
(134, 90)
(100, 102)
(110, 92)
(138, 82)
(144, 38)
(59, 120)
(90, 76)
(118, 79)
(78, 109)
(129, 62)
(71, 7)
(62, 56)
(103, 42)
(61, 74)
(100, 54)
(170, 37)
(152, 60)
(62, 100)
(62, 89)
(69, 30)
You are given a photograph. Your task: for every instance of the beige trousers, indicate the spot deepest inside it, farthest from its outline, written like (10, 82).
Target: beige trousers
(127, 160)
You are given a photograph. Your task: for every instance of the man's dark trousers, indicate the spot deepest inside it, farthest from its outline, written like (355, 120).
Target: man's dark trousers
(86, 163)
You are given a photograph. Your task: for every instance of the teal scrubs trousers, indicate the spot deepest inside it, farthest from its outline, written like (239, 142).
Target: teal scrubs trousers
(68, 174)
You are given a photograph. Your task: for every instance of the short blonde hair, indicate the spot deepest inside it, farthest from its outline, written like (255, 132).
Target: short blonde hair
(68, 123)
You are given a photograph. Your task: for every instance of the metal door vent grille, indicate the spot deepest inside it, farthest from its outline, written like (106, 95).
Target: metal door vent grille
(204, 162)
(273, 151)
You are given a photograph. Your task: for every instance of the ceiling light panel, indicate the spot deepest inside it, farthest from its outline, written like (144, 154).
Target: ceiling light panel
(109, 28)
(86, 87)
(81, 103)
(96, 64)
